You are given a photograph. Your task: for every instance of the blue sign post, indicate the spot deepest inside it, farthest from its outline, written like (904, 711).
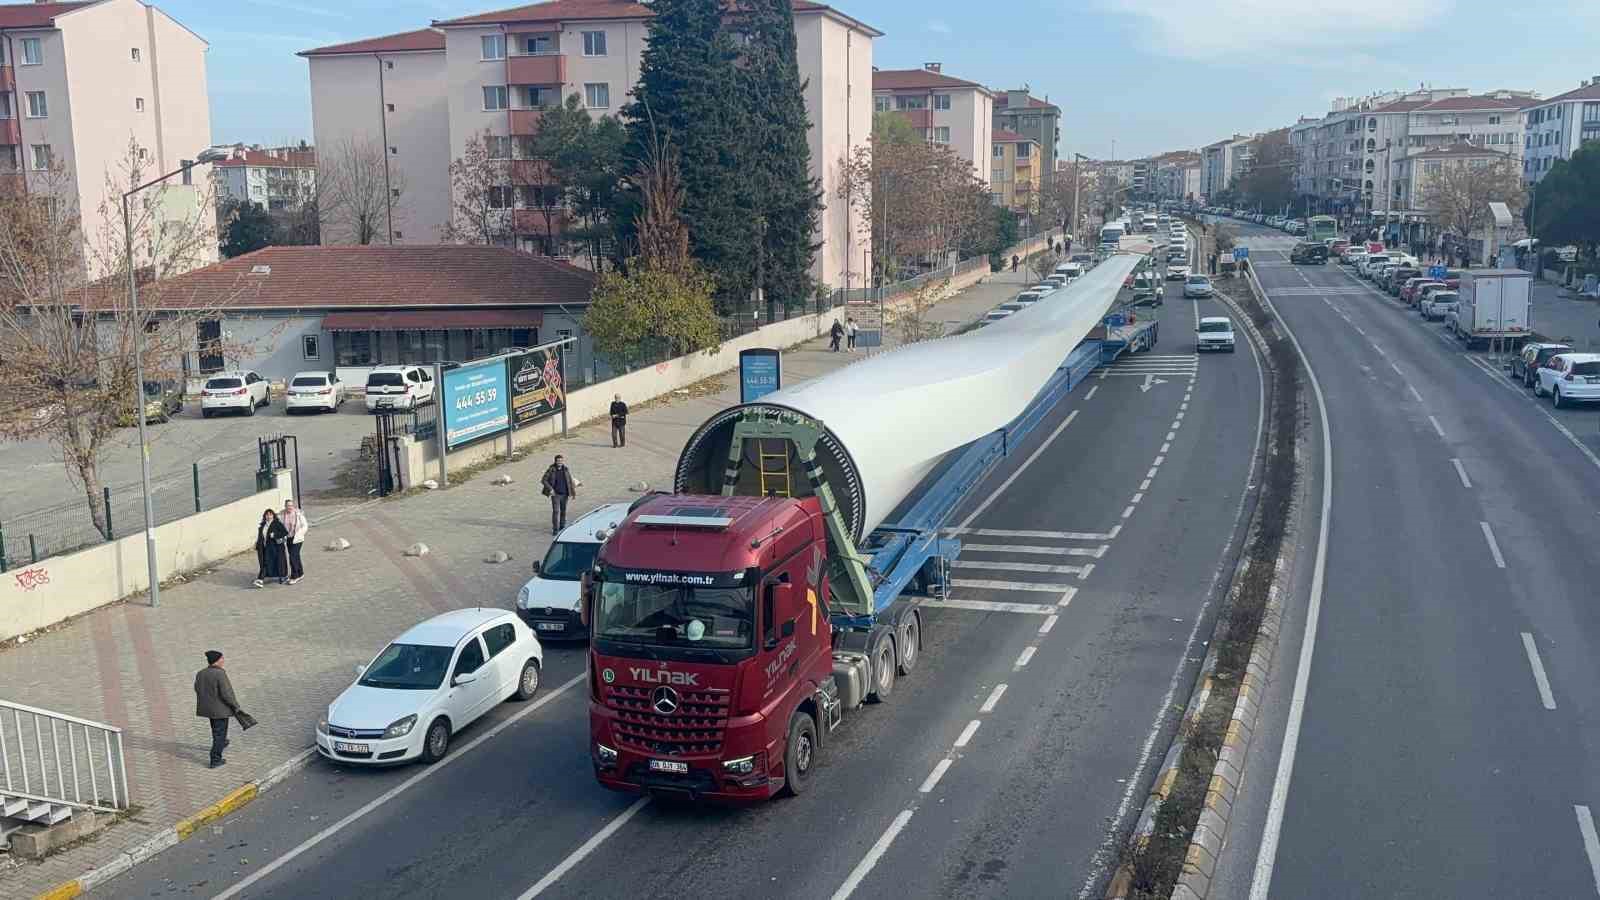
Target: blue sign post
(475, 402)
(760, 373)
(1241, 253)
(1437, 271)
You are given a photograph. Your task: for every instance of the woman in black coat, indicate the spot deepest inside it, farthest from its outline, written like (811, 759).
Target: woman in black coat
(271, 553)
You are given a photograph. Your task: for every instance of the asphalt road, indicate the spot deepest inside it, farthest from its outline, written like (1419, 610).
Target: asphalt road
(1141, 473)
(1432, 759)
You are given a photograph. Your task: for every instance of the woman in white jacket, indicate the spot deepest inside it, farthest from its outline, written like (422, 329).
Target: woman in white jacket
(296, 524)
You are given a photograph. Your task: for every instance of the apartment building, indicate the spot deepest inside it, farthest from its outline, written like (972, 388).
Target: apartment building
(1554, 129)
(80, 81)
(1025, 114)
(1141, 183)
(1176, 176)
(1222, 162)
(424, 94)
(274, 178)
(944, 109)
(1016, 168)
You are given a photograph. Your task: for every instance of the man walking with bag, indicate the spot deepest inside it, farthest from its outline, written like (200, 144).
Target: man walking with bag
(296, 524)
(559, 485)
(619, 421)
(214, 700)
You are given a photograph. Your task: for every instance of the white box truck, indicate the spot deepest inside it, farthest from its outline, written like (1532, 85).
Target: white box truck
(1493, 305)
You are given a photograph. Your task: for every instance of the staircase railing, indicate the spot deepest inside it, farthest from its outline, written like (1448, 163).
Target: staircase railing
(49, 757)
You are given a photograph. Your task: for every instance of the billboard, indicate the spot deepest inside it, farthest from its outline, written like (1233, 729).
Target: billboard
(760, 373)
(538, 385)
(474, 403)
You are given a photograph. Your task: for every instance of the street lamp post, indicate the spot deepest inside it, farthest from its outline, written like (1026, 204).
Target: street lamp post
(1077, 180)
(208, 155)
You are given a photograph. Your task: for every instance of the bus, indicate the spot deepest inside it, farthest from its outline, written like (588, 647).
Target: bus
(1111, 234)
(1321, 228)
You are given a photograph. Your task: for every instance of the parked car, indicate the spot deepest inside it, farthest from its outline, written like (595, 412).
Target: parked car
(398, 387)
(1197, 286)
(994, 315)
(549, 601)
(1177, 273)
(1057, 280)
(162, 401)
(1413, 286)
(1570, 377)
(1214, 333)
(1028, 297)
(1397, 278)
(1525, 366)
(238, 391)
(429, 684)
(1306, 253)
(1337, 247)
(1353, 256)
(1440, 304)
(313, 391)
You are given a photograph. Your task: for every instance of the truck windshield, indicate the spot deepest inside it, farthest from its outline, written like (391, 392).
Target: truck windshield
(721, 618)
(567, 560)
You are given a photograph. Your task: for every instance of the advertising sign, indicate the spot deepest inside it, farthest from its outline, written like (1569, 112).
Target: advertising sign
(538, 386)
(760, 373)
(869, 322)
(475, 402)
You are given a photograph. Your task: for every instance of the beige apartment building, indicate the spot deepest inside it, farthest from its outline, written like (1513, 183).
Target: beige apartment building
(424, 94)
(79, 81)
(1015, 167)
(943, 109)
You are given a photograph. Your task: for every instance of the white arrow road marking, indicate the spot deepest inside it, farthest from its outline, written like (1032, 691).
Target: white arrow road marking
(1150, 381)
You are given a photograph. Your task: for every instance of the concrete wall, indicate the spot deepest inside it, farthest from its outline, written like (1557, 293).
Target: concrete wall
(55, 589)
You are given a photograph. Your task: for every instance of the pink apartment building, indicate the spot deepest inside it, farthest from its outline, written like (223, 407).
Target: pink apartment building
(942, 108)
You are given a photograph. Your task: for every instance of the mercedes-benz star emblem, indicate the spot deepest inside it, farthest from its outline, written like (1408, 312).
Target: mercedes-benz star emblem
(664, 700)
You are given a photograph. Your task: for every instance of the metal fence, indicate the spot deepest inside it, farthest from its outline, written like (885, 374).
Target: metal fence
(207, 483)
(51, 762)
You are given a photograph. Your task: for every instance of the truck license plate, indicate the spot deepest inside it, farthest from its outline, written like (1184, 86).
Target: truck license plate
(550, 626)
(342, 747)
(667, 765)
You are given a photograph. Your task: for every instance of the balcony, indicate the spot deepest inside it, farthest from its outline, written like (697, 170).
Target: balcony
(529, 171)
(538, 68)
(919, 118)
(525, 121)
(10, 131)
(531, 221)
(8, 78)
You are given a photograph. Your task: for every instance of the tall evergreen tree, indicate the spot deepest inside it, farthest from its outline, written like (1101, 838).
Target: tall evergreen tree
(689, 94)
(788, 200)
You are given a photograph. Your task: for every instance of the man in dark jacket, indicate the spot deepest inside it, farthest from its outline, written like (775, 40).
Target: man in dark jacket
(619, 421)
(837, 334)
(560, 486)
(214, 700)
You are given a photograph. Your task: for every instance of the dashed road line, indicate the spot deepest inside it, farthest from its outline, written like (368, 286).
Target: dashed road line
(1171, 435)
(1462, 474)
(1090, 395)
(1026, 656)
(1414, 395)
(1152, 472)
(863, 868)
(1137, 497)
(1591, 843)
(932, 781)
(1436, 426)
(1539, 677)
(1494, 546)
(1048, 623)
(1144, 485)
(1127, 513)
(1159, 460)
(993, 699)
(1165, 447)
(968, 732)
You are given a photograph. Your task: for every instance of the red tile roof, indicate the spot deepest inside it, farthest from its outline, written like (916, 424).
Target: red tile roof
(1006, 136)
(1590, 91)
(34, 15)
(1399, 106)
(1001, 101)
(244, 156)
(377, 277)
(1457, 150)
(918, 79)
(421, 39)
(561, 10)
(1482, 102)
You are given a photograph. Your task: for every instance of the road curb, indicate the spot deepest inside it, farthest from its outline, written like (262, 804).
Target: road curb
(234, 800)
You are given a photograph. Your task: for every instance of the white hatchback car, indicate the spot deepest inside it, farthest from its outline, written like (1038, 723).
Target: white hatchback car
(398, 387)
(433, 681)
(240, 391)
(549, 602)
(1570, 378)
(313, 391)
(1214, 333)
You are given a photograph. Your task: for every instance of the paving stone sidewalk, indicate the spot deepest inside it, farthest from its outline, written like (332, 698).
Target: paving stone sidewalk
(291, 648)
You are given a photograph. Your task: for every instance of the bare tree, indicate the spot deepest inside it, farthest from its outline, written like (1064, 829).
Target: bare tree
(481, 194)
(1458, 196)
(67, 371)
(359, 195)
(920, 199)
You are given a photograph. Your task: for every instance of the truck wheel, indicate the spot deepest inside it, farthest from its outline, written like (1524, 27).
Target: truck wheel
(882, 672)
(799, 754)
(910, 643)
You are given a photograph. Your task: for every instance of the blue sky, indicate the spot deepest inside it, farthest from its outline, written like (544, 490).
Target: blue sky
(1153, 75)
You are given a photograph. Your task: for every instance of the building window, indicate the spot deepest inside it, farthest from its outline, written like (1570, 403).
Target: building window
(387, 64)
(1591, 112)
(499, 198)
(8, 158)
(940, 135)
(941, 101)
(5, 103)
(352, 348)
(41, 157)
(32, 55)
(134, 52)
(911, 103)
(1372, 124)
(494, 46)
(539, 45)
(398, 235)
(37, 107)
(880, 104)
(594, 43)
(1371, 145)
(311, 346)
(494, 97)
(498, 145)
(394, 151)
(138, 104)
(597, 96)
(1432, 167)
(539, 97)
(1024, 151)
(999, 151)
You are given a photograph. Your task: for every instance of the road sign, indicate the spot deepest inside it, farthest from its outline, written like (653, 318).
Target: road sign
(1437, 271)
(1241, 253)
(760, 373)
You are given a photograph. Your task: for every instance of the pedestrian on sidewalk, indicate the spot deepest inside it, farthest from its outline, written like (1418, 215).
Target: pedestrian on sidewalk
(619, 421)
(837, 333)
(295, 525)
(271, 556)
(214, 700)
(850, 334)
(560, 485)
(1014, 260)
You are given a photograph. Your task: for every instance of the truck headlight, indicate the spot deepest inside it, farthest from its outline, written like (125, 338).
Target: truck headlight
(522, 598)
(400, 727)
(744, 765)
(605, 756)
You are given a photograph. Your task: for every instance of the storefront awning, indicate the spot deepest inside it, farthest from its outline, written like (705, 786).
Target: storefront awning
(432, 319)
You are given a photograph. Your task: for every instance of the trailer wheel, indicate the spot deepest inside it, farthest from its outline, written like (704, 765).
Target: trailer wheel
(883, 666)
(910, 643)
(799, 754)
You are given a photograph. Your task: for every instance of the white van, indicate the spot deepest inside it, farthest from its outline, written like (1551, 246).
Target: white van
(549, 602)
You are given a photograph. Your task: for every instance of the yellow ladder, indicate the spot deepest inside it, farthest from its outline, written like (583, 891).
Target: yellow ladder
(774, 476)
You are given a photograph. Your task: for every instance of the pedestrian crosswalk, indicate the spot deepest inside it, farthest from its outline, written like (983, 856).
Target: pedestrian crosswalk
(1027, 571)
(1313, 291)
(1144, 364)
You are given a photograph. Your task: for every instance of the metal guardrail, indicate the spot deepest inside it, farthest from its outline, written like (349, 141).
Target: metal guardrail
(49, 757)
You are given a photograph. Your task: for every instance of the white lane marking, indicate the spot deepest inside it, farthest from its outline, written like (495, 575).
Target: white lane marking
(588, 847)
(1397, 370)
(968, 732)
(1136, 497)
(1436, 426)
(458, 754)
(1159, 460)
(1539, 677)
(864, 867)
(1266, 857)
(1009, 566)
(1175, 425)
(1127, 512)
(1178, 416)
(1006, 586)
(1144, 485)
(1026, 656)
(932, 780)
(1044, 445)
(1361, 331)
(1152, 472)
(1066, 596)
(994, 698)
(1048, 623)
(1183, 405)
(1591, 843)
(1494, 547)
(1090, 395)
(1084, 572)
(1462, 474)
(1095, 552)
(1166, 447)
(1032, 609)
(1061, 535)
(1171, 435)
(1414, 395)
(1140, 373)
